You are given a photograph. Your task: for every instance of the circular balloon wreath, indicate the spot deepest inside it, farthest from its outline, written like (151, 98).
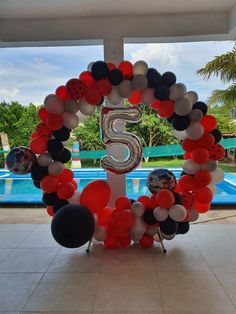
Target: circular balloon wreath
(77, 217)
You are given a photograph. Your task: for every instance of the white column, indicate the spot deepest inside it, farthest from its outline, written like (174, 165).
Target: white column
(114, 52)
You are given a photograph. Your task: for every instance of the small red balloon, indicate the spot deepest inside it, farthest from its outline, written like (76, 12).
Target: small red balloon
(186, 183)
(75, 184)
(208, 122)
(187, 155)
(144, 199)
(104, 87)
(34, 135)
(146, 241)
(75, 89)
(122, 202)
(203, 195)
(39, 145)
(152, 202)
(49, 184)
(126, 68)
(43, 114)
(206, 141)
(111, 66)
(189, 145)
(87, 79)
(61, 92)
(187, 199)
(43, 130)
(54, 122)
(104, 216)
(202, 178)
(65, 190)
(155, 104)
(165, 198)
(200, 155)
(217, 152)
(92, 96)
(125, 242)
(165, 108)
(66, 175)
(135, 98)
(201, 208)
(50, 211)
(125, 219)
(111, 243)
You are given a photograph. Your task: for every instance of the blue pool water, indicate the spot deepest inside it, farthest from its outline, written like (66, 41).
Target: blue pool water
(20, 189)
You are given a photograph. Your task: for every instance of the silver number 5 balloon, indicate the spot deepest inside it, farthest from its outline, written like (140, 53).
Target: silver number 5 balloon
(110, 134)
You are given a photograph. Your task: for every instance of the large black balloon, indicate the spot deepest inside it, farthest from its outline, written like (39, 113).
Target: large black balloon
(154, 78)
(59, 204)
(100, 70)
(38, 172)
(168, 78)
(217, 135)
(50, 198)
(62, 134)
(148, 217)
(180, 123)
(115, 77)
(63, 157)
(72, 226)
(162, 92)
(55, 147)
(201, 106)
(183, 227)
(168, 226)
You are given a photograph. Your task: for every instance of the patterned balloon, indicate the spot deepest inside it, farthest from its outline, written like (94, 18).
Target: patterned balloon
(161, 179)
(20, 160)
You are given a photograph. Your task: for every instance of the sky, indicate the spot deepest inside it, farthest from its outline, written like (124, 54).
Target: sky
(27, 75)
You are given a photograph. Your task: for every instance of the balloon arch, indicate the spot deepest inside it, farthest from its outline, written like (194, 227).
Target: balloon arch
(77, 217)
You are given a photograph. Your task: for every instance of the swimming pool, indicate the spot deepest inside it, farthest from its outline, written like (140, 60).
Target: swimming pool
(20, 189)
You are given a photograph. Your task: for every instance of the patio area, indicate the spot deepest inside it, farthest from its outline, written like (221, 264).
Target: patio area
(198, 273)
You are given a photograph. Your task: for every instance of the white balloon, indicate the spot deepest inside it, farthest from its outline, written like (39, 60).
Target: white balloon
(140, 67)
(75, 199)
(192, 96)
(138, 209)
(85, 108)
(71, 106)
(180, 135)
(193, 214)
(168, 236)
(148, 96)
(195, 115)
(160, 214)
(71, 120)
(183, 106)
(210, 165)
(56, 168)
(177, 213)
(212, 188)
(114, 97)
(89, 67)
(100, 233)
(81, 116)
(194, 131)
(191, 167)
(152, 230)
(217, 176)
(53, 104)
(139, 82)
(138, 230)
(44, 159)
(177, 91)
(125, 88)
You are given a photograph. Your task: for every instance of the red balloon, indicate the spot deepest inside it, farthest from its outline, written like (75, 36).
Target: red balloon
(93, 97)
(155, 104)
(146, 241)
(206, 141)
(126, 68)
(217, 152)
(208, 122)
(125, 242)
(122, 202)
(144, 199)
(117, 232)
(66, 175)
(75, 184)
(34, 135)
(111, 66)
(165, 198)
(152, 202)
(75, 89)
(43, 130)
(87, 79)
(125, 219)
(39, 145)
(43, 114)
(96, 195)
(203, 195)
(111, 243)
(200, 155)
(202, 178)
(61, 92)
(50, 211)
(186, 183)
(165, 108)
(54, 122)
(104, 87)
(201, 208)
(135, 98)
(187, 199)
(104, 216)
(49, 183)
(187, 155)
(65, 190)
(189, 145)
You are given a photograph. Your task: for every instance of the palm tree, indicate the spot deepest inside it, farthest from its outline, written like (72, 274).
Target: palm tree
(223, 66)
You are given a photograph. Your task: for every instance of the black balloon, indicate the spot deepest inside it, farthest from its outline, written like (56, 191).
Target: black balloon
(150, 70)
(170, 119)
(59, 204)
(148, 217)
(132, 201)
(38, 172)
(62, 134)
(154, 79)
(63, 157)
(72, 226)
(50, 198)
(162, 92)
(177, 198)
(37, 184)
(183, 227)
(168, 78)
(55, 147)
(115, 77)
(217, 135)
(168, 226)
(100, 70)
(180, 123)
(201, 106)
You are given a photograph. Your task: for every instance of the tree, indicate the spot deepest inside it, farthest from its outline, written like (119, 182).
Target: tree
(223, 66)
(225, 124)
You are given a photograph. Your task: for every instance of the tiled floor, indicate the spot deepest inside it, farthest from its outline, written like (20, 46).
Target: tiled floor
(197, 275)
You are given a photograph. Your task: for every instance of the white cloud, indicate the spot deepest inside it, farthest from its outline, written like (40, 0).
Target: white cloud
(8, 95)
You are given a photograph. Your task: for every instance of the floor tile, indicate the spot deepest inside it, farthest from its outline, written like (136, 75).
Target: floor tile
(191, 291)
(19, 227)
(28, 260)
(15, 289)
(39, 240)
(11, 240)
(4, 253)
(64, 292)
(228, 282)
